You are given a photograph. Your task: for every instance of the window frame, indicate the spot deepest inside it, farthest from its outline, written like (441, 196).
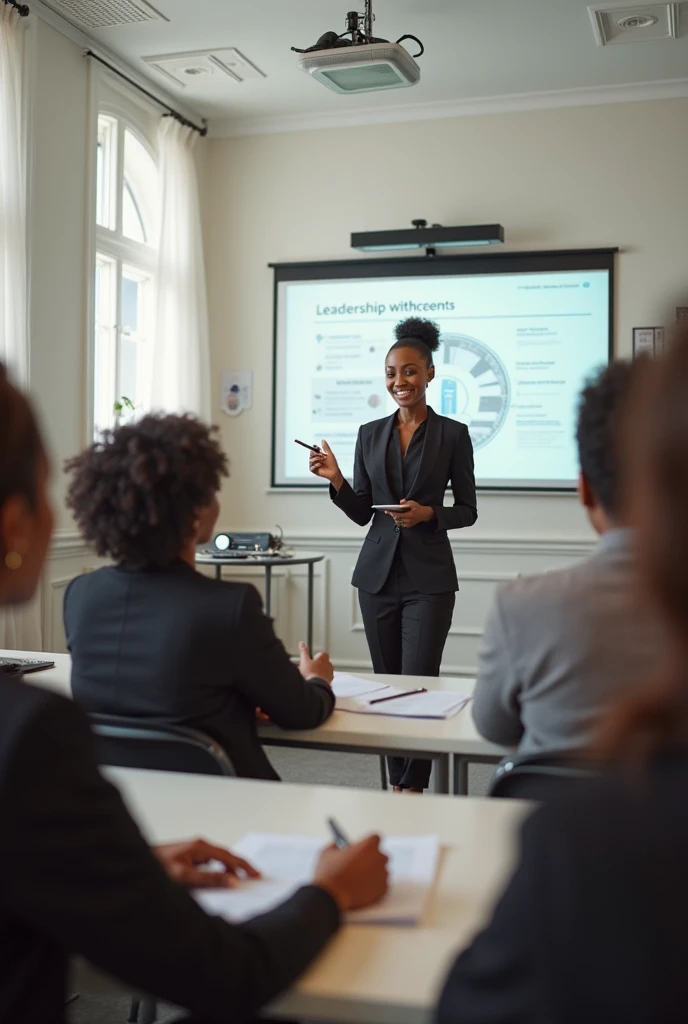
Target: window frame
(109, 99)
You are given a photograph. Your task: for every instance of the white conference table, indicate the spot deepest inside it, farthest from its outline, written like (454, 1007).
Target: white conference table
(344, 732)
(381, 975)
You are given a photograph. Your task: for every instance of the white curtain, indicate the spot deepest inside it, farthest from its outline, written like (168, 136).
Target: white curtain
(14, 349)
(20, 628)
(180, 371)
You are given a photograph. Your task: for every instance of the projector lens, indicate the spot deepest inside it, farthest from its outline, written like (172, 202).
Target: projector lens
(358, 79)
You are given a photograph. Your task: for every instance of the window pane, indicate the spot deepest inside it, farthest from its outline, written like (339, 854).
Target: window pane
(135, 303)
(106, 172)
(132, 221)
(105, 355)
(139, 192)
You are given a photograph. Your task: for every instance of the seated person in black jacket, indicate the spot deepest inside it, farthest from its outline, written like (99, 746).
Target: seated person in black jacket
(151, 637)
(75, 874)
(592, 927)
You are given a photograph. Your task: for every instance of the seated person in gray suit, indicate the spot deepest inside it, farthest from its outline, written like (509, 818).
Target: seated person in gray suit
(560, 646)
(149, 636)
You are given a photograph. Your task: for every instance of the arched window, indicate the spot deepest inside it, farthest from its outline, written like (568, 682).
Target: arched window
(126, 238)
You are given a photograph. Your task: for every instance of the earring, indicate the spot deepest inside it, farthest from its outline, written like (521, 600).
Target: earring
(13, 560)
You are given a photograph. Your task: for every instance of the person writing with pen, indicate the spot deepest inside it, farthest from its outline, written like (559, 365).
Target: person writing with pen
(78, 876)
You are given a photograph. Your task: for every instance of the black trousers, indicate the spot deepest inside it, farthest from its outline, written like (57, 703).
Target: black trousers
(406, 633)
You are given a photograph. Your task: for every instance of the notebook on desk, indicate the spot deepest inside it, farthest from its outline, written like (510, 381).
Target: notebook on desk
(287, 862)
(359, 696)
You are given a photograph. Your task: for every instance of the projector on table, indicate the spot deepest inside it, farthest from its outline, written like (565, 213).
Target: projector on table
(362, 63)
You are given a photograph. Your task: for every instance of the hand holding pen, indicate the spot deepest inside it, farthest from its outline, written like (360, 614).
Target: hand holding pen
(355, 874)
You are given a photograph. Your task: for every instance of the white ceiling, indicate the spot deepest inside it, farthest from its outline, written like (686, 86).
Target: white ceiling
(473, 48)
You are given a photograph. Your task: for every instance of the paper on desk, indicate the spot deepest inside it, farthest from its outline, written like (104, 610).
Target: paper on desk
(288, 862)
(432, 704)
(345, 685)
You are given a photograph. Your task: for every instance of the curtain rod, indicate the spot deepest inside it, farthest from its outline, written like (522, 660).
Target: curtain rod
(21, 9)
(170, 110)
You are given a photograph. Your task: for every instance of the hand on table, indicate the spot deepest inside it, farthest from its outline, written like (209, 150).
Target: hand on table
(325, 465)
(416, 514)
(183, 863)
(261, 716)
(355, 876)
(319, 667)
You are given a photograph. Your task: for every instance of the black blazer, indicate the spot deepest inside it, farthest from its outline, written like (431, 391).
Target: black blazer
(183, 649)
(447, 458)
(592, 926)
(76, 877)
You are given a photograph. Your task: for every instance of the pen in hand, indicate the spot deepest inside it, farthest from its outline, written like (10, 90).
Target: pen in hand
(339, 837)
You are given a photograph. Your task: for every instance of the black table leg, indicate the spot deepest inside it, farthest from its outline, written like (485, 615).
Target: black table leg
(442, 774)
(460, 786)
(218, 571)
(268, 589)
(309, 620)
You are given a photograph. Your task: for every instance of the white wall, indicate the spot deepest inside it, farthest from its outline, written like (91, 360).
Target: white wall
(568, 178)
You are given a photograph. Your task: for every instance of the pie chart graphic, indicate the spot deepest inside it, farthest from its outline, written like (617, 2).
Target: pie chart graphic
(474, 386)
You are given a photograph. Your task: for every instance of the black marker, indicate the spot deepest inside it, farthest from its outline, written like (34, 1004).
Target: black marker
(310, 447)
(340, 840)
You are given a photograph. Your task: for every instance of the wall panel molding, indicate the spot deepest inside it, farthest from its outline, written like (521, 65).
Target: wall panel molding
(483, 563)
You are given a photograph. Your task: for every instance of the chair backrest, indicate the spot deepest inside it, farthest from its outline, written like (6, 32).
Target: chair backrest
(542, 776)
(132, 743)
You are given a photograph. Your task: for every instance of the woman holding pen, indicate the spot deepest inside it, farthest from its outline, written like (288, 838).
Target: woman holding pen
(405, 572)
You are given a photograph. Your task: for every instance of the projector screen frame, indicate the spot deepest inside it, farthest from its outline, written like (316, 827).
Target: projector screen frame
(461, 264)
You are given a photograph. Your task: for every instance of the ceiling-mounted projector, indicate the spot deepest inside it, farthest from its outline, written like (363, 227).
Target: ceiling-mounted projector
(356, 61)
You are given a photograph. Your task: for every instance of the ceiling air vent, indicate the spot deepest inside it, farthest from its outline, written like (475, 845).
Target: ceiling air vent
(205, 66)
(635, 22)
(93, 14)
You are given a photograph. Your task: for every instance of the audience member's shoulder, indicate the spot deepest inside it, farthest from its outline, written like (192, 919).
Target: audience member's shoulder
(27, 712)
(618, 805)
(550, 587)
(88, 582)
(228, 594)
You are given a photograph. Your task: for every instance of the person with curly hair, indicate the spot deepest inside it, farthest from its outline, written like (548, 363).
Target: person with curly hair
(149, 636)
(405, 573)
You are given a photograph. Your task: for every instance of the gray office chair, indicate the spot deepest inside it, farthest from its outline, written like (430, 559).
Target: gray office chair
(137, 743)
(134, 743)
(542, 776)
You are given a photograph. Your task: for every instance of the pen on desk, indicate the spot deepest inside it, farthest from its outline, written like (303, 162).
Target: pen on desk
(340, 839)
(395, 696)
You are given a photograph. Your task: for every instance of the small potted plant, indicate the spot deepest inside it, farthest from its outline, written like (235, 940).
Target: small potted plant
(121, 405)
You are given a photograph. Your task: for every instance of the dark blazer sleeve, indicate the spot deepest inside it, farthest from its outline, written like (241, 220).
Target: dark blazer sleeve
(357, 501)
(270, 680)
(496, 980)
(76, 870)
(464, 511)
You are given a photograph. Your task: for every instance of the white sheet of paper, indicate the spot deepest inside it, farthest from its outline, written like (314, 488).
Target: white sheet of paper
(288, 862)
(345, 685)
(432, 704)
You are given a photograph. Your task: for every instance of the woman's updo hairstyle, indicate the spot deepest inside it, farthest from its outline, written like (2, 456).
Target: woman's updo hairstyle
(423, 335)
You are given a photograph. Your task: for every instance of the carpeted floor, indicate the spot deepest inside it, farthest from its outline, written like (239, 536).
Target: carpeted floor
(100, 1003)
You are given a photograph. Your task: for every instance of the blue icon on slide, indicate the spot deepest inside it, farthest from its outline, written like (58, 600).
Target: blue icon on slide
(449, 398)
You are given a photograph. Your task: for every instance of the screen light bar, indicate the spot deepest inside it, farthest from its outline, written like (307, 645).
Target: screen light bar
(437, 237)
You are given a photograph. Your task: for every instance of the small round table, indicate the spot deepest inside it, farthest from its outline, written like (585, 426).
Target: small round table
(268, 563)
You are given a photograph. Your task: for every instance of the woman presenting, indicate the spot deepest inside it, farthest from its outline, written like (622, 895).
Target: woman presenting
(405, 572)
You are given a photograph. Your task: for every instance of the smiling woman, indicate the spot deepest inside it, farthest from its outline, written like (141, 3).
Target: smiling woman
(405, 572)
